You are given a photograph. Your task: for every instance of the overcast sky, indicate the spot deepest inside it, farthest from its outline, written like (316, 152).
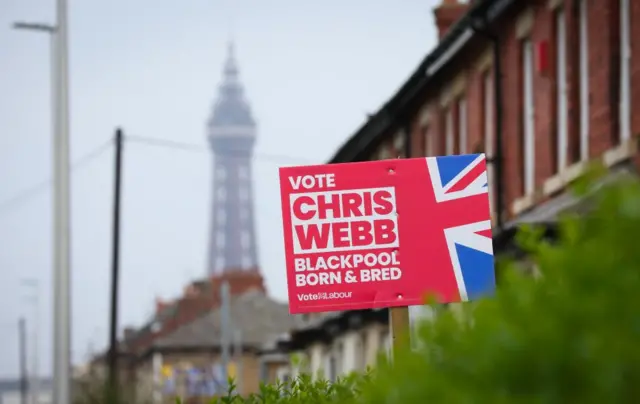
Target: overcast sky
(312, 71)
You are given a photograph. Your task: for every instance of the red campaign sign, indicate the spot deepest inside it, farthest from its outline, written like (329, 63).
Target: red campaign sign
(386, 233)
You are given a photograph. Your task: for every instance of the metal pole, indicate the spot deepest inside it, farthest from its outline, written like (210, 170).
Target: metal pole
(61, 216)
(115, 269)
(22, 340)
(61, 200)
(34, 299)
(35, 362)
(481, 26)
(225, 323)
(36, 352)
(499, 157)
(238, 359)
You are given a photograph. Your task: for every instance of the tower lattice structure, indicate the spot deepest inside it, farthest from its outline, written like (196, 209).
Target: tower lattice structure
(232, 135)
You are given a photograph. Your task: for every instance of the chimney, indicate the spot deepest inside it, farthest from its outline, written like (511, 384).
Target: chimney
(191, 291)
(447, 14)
(160, 305)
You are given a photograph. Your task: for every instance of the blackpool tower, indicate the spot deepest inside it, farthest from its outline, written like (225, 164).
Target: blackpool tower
(231, 132)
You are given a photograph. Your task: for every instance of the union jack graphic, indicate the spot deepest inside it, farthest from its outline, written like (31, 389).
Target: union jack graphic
(469, 243)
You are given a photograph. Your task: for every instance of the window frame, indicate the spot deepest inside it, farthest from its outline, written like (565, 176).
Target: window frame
(528, 112)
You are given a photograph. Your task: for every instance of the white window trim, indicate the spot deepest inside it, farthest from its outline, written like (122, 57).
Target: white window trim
(625, 71)
(562, 102)
(462, 126)
(529, 118)
(428, 140)
(584, 79)
(489, 139)
(449, 131)
(399, 143)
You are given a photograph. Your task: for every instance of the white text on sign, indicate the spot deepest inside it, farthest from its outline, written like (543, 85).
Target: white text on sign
(319, 270)
(313, 181)
(343, 220)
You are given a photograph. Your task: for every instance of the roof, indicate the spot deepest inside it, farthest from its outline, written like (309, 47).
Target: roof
(7, 385)
(257, 316)
(551, 210)
(393, 111)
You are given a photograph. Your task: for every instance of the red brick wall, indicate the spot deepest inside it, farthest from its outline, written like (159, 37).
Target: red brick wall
(604, 45)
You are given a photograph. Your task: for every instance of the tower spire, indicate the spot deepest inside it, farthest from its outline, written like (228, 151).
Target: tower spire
(232, 135)
(231, 65)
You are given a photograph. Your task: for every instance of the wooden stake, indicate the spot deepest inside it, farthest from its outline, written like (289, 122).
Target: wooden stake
(399, 324)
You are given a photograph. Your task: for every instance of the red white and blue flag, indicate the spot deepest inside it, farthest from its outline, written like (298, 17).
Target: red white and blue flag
(387, 233)
(469, 245)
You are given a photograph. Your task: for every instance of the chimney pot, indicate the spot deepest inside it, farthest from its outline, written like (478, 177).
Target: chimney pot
(447, 14)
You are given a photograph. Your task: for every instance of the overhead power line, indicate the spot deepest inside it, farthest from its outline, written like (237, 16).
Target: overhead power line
(83, 161)
(43, 186)
(172, 144)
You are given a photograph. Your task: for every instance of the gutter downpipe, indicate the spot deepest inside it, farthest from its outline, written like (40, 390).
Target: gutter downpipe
(480, 26)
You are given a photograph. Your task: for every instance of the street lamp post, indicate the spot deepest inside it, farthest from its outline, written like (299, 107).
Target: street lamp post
(61, 202)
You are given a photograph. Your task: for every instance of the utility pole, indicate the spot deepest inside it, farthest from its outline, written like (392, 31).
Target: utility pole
(225, 340)
(115, 269)
(22, 340)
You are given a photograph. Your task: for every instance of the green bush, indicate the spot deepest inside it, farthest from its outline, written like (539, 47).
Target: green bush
(572, 336)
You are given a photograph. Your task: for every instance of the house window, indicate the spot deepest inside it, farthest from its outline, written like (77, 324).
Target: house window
(488, 135)
(449, 131)
(220, 263)
(360, 353)
(528, 115)
(331, 367)
(428, 141)
(562, 112)
(222, 217)
(399, 144)
(462, 126)
(220, 240)
(385, 341)
(625, 70)
(584, 79)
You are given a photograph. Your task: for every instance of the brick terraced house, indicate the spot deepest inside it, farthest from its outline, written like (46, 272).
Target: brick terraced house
(543, 87)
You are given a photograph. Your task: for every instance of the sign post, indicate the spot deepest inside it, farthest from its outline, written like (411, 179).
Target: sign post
(400, 329)
(385, 234)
